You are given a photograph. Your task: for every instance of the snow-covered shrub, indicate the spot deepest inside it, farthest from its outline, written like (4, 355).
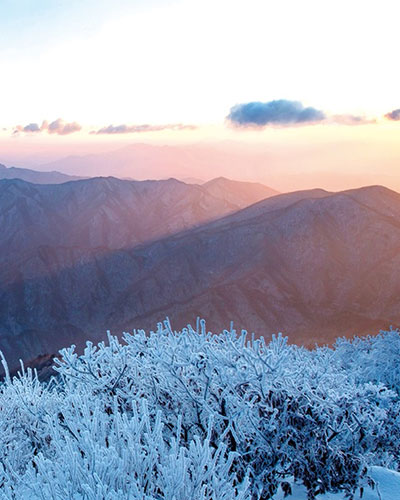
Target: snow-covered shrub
(177, 415)
(372, 358)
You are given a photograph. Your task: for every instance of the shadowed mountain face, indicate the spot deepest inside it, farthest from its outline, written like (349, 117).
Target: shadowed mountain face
(313, 264)
(52, 233)
(34, 176)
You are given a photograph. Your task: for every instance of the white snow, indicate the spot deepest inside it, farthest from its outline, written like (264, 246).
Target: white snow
(387, 488)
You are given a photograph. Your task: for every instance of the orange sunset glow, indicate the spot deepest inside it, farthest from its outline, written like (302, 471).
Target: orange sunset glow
(180, 93)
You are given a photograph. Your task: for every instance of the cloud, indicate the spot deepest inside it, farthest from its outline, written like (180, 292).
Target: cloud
(134, 129)
(393, 115)
(59, 127)
(351, 120)
(279, 112)
(283, 112)
(32, 127)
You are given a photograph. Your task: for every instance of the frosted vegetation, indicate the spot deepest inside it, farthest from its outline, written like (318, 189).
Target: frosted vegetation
(193, 415)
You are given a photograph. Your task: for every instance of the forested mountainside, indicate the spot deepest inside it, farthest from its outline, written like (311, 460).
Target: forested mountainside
(48, 229)
(313, 264)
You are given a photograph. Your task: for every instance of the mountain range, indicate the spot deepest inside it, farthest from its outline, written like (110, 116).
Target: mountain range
(85, 256)
(53, 231)
(34, 176)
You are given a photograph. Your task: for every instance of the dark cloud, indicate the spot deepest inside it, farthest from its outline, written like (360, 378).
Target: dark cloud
(393, 115)
(279, 112)
(134, 129)
(351, 120)
(59, 127)
(32, 127)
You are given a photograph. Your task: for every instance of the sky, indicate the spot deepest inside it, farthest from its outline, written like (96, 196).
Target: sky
(84, 76)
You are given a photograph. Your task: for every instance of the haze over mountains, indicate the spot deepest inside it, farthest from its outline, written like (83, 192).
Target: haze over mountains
(150, 161)
(34, 176)
(293, 168)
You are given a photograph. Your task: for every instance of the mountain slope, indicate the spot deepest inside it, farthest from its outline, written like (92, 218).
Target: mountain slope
(240, 193)
(315, 269)
(101, 213)
(52, 235)
(35, 176)
(313, 264)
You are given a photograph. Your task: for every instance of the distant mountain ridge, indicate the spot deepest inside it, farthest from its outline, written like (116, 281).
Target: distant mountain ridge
(35, 176)
(150, 161)
(241, 193)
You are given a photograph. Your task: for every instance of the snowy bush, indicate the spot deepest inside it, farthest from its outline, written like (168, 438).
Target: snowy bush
(178, 415)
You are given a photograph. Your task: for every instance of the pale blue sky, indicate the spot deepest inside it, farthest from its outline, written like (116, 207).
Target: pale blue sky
(104, 62)
(27, 23)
